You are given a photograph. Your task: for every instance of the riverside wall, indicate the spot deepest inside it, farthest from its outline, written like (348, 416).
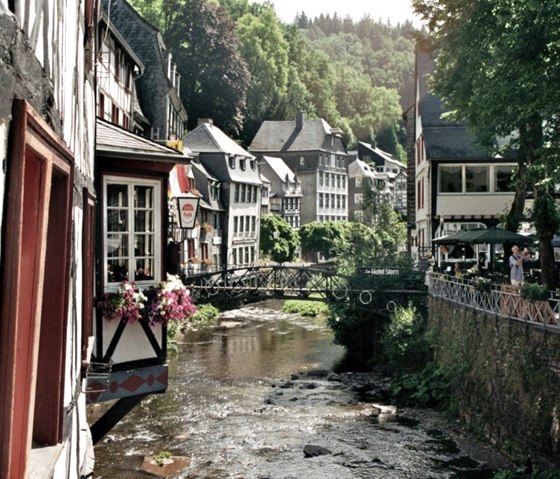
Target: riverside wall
(506, 379)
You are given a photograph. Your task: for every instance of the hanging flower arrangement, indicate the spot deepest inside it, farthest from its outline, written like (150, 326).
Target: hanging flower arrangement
(170, 302)
(128, 302)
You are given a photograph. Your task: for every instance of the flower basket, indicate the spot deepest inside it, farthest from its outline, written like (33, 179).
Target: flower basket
(483, 285)
(127, 303)
(169, 300)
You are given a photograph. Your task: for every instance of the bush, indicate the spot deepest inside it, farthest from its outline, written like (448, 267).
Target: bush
(404, 340)
(533, 292)
(306, 308)
(205, 317)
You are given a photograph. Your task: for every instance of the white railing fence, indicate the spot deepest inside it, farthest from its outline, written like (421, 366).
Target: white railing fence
(501, 299)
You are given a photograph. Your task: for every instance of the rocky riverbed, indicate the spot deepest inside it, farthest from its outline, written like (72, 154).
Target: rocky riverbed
(260, 400)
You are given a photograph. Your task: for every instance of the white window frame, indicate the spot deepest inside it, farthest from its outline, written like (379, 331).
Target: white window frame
(157, 233)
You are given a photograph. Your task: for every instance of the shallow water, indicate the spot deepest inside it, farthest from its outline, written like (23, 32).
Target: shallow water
(244, 402)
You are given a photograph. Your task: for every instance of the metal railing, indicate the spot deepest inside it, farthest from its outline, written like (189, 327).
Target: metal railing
(502, 300)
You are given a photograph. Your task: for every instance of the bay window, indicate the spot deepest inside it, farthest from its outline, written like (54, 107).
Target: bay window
(131, 223)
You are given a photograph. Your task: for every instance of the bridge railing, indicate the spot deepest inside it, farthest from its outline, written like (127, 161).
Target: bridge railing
(500, 299)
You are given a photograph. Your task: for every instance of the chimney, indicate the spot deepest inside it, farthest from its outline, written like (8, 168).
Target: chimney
(300, 118)
(205, 121)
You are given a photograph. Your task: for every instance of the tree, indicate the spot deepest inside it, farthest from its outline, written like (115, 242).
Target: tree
(215, 78)
(498, 68)
(321, 237)
(265, 51)
(278, 239)
(160, 13)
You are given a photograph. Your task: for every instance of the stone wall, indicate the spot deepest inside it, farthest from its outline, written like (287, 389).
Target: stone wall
(507, 379)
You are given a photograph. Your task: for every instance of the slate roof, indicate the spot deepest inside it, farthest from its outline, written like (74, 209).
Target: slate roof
(207, 138)
(361, 168)
(387, 157)
(115, 141)
(284, 136)
(214, 147)
(280, 168)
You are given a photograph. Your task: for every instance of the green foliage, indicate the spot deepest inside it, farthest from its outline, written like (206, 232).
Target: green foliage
(283, 247)
(161, 457)
(533, 292)
(356, 330)
(404, 340)
(428, 387)
(206, 316)
(214, 76)
(383, 244)
(265, 51)
(306, 308)
(321, 237)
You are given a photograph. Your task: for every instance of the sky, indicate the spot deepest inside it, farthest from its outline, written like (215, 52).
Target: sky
(393, 10)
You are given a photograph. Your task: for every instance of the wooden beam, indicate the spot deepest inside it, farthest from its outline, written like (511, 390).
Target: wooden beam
(112, 417)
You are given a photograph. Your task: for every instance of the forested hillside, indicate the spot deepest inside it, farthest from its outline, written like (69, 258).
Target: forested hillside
(241, 65)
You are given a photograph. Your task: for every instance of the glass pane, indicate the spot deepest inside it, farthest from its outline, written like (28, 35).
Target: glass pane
(477, 179)
(117, 195)
(143, 221)
(117, 270)
(451, 180)
(504, 178)
(144, 245)
(117, 246)
(117, 220)
(144, 269)
(143, 196)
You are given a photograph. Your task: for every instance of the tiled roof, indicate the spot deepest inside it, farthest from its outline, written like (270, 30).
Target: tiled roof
(115, 141)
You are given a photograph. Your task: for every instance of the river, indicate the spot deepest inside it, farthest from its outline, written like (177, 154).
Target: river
(251, 399)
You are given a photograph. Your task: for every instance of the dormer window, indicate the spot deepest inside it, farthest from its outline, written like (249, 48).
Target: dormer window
(253, 165)
(243, 164)
(232, 162)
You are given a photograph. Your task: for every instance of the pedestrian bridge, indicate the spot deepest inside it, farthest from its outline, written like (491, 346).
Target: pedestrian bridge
(313, 282)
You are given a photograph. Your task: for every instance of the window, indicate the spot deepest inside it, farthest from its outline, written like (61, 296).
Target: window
(358, 198)
(302, 160)
(237, 193)
(253, 165)
(131, 219)
(451, 179)
(232, 162)
(243, 164)
(477, 178)
(235, 225)
(358, 182)
(320, 178)
(243, 192)
(359, 215)
(504, 180)
(320, 200)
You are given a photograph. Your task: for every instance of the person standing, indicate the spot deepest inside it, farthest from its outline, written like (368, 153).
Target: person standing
(516, 261)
